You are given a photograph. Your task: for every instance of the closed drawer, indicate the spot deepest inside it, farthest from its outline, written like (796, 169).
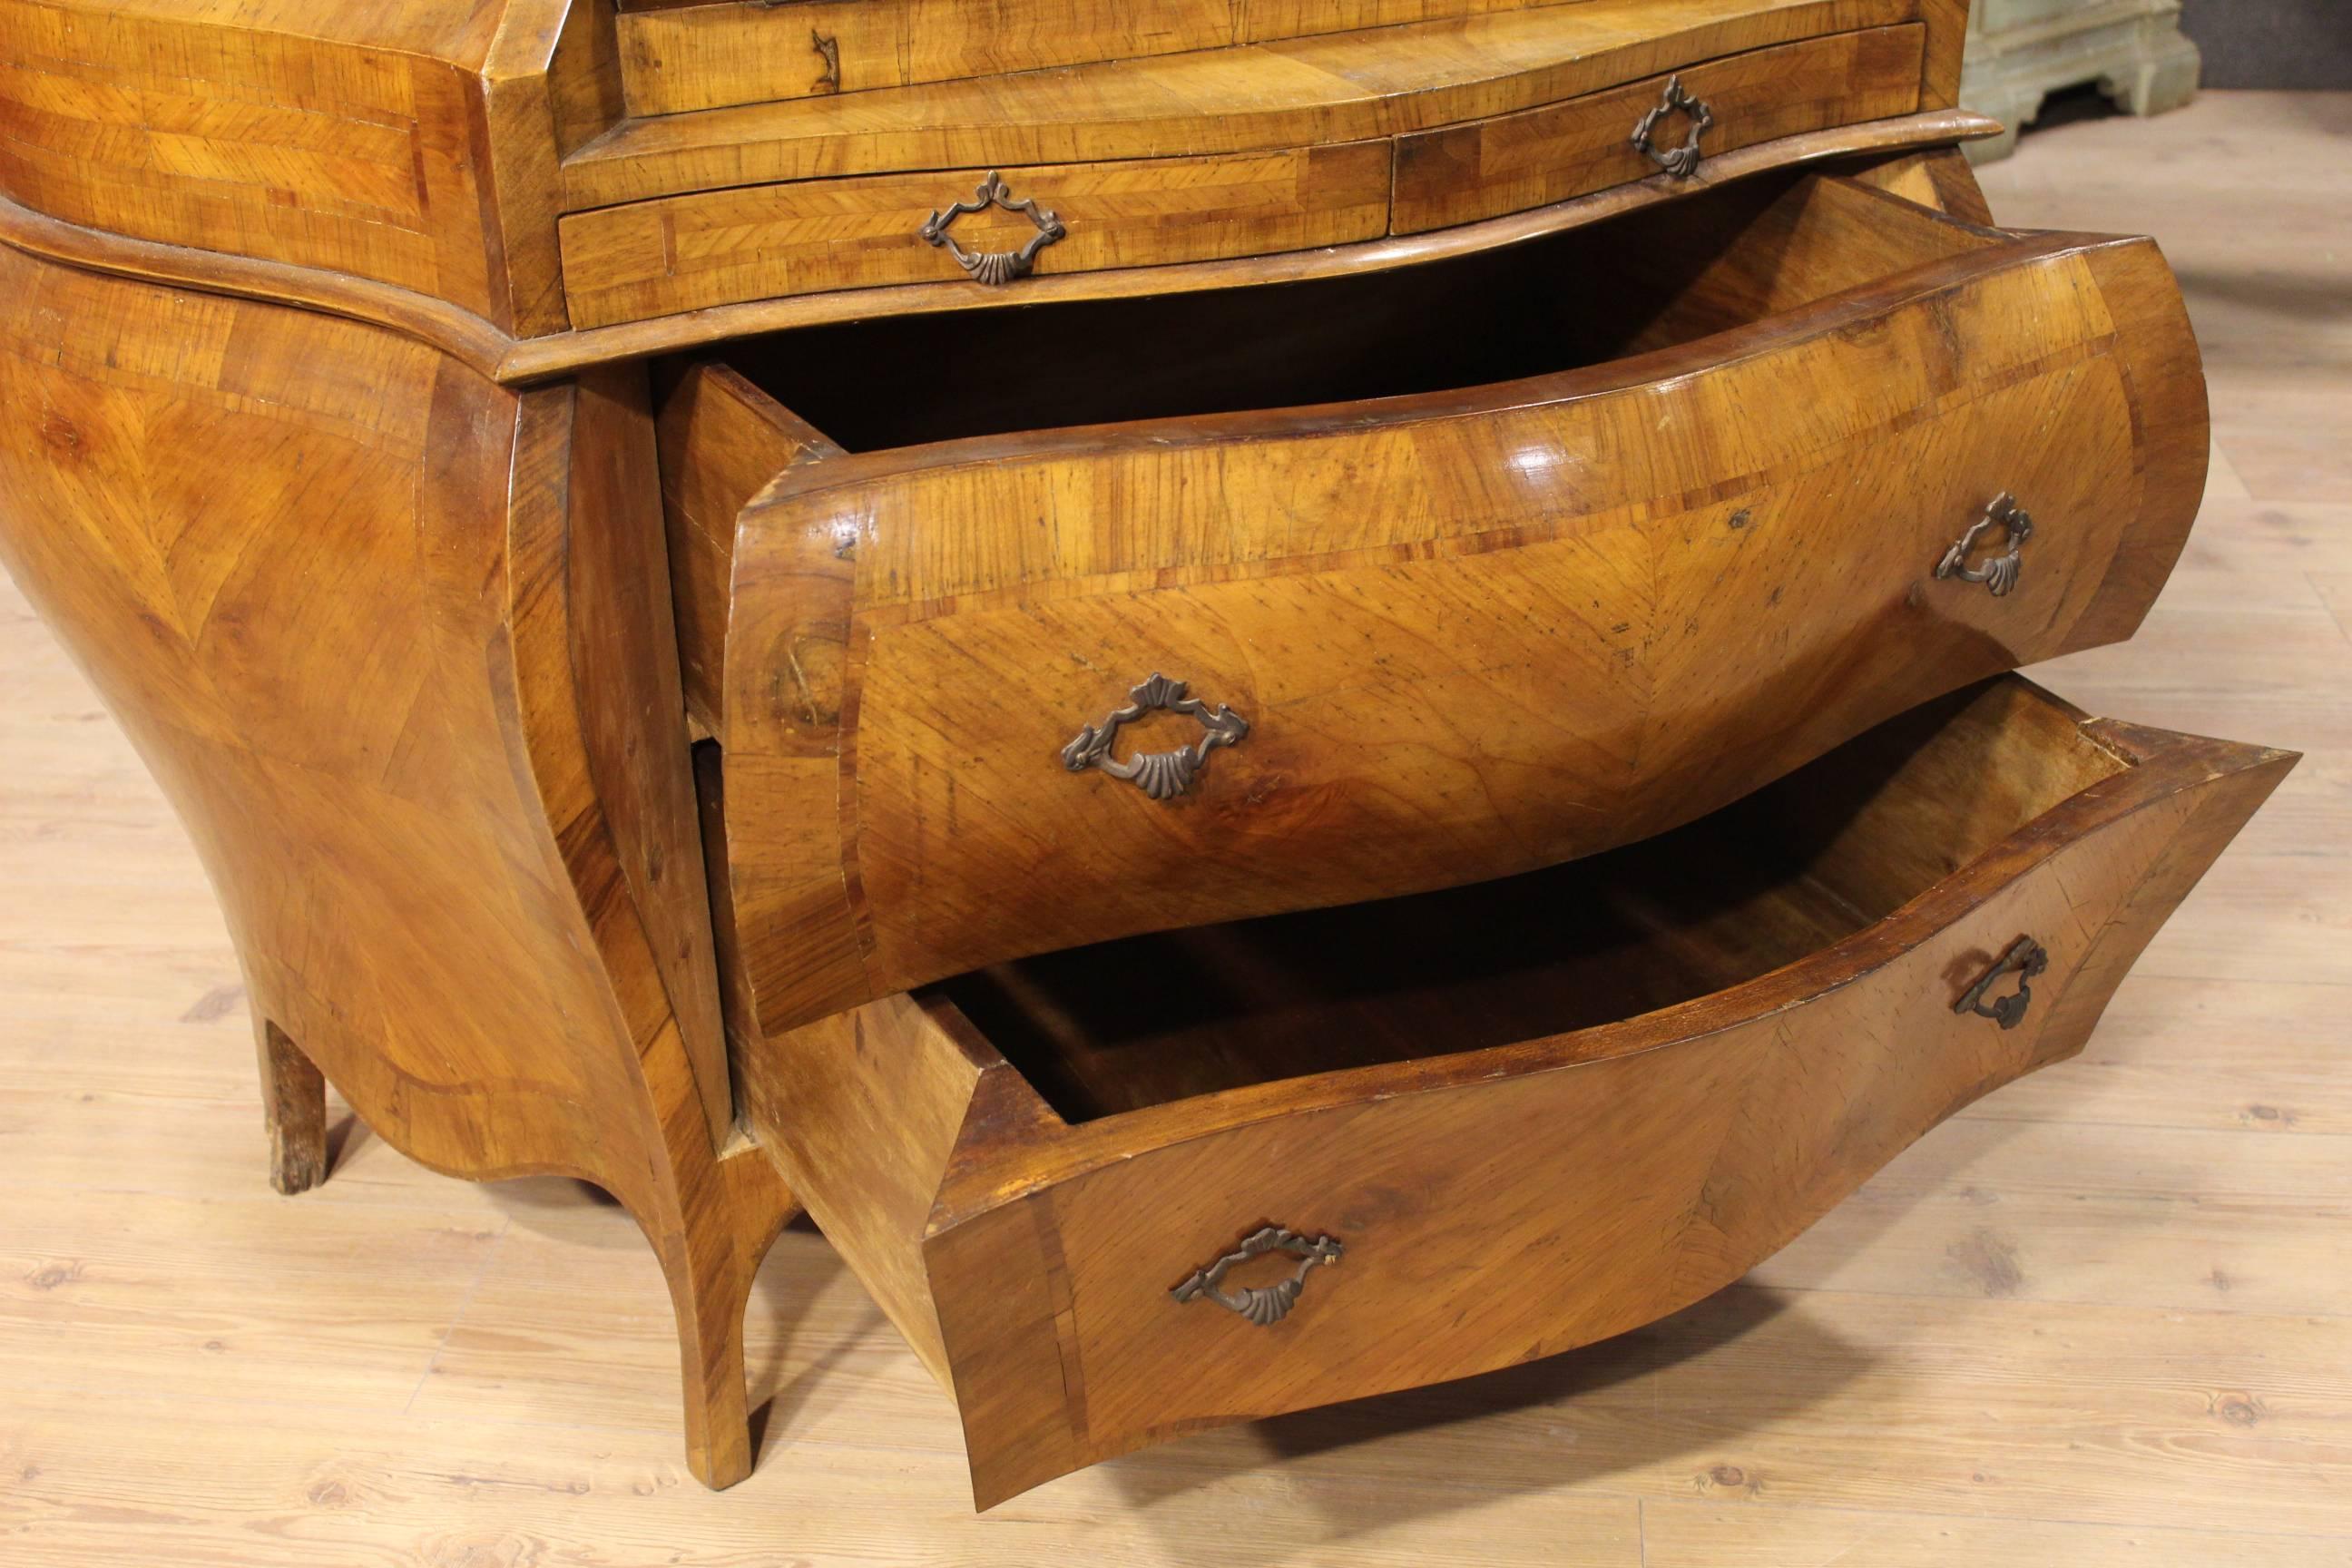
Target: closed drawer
(1215, 155)
(1484, 1125)
(676, 58)
(655, 258)
(1437, 636)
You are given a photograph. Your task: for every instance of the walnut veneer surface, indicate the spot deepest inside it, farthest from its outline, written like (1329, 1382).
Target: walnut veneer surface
(590, 750)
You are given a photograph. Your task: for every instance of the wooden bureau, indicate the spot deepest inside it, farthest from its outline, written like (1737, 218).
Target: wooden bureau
(1281, 699)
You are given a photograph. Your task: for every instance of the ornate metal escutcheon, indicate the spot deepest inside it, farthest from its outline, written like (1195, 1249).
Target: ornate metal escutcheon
(994, 266)
(1681, 162)
(2000, 573)
(1261, 1304)
(1159, 774)
(2027, 958)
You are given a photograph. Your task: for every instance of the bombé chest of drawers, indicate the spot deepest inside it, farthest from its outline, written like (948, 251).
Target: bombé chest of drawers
(1281, 699)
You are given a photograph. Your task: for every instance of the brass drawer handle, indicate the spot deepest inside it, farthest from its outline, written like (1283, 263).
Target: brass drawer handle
(1159, 774)
(1681, 162)
(1264, 1305)
(994, 266)
(2000, 573)
(2027, 958)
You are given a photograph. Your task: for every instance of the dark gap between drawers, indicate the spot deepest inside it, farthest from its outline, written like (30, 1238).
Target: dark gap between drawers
(1795, 867)
(1653, 278)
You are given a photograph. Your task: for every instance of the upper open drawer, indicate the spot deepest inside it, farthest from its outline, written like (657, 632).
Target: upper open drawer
(1268, 133)
(1450, 571)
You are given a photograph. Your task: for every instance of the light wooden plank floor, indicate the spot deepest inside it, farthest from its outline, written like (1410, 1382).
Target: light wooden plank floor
(2105, 1317)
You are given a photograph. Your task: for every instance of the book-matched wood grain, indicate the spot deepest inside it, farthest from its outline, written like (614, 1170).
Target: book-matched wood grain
(396, 642)
(1473, 632)
(1504, 1203)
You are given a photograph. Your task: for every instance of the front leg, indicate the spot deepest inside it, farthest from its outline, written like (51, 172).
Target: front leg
(710, 1258)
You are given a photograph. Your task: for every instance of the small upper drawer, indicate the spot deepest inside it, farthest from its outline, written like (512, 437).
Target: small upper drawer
(1453, 1132)
(1214, 155)
(1006, 694)
(674, 58)
(677, 58)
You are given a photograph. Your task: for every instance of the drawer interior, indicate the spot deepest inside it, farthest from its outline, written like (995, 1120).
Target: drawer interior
(1793, 869)
(1664, 275)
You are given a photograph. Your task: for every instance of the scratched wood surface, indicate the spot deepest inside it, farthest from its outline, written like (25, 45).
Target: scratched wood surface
(2096, 1320)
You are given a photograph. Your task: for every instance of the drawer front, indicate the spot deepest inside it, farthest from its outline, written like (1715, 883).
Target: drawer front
(1943, 906)
(1490, 1223)
(657, 259)
(1464, 173)
(1423, 642)
(676, 60)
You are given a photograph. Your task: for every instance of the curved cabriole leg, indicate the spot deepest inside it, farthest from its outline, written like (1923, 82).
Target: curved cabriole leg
(293, 1109)
(597, 655)
(711, 1259)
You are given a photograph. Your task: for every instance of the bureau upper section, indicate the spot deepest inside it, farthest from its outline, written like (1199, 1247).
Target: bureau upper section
(559, 166)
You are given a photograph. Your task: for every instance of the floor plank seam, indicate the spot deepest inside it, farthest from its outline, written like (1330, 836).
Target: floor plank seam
(489, 1258)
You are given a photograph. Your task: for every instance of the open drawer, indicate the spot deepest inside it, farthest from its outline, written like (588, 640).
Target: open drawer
(1476, 619)
(1470, 1128)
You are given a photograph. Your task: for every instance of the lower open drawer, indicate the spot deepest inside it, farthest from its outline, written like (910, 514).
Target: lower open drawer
(1469, 1128)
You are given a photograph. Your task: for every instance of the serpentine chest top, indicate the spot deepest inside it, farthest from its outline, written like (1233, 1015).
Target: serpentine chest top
(1282, 699)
